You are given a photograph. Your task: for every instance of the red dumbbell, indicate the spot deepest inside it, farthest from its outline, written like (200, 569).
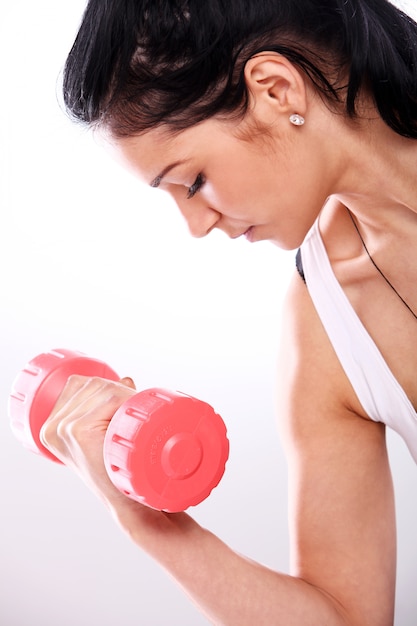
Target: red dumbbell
(164, 449)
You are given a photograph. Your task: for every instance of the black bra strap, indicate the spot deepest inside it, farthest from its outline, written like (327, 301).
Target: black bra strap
(299, 264)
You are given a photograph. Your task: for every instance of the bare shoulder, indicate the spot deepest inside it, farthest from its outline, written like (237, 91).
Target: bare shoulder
(308, 365)
(342, 518)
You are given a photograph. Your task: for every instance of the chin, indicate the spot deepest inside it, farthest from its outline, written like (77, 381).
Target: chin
(291, 240)
(286, 245)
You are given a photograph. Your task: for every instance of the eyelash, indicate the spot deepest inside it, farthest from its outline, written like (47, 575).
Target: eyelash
(196, 186)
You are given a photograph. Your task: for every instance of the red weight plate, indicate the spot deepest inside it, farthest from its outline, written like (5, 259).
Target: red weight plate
(37, 388)
(166, 449)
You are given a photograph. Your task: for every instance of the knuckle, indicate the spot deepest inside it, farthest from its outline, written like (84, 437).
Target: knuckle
(62, 430)
(47, 434)
(75, 431)
(75, 381)
(85, 403)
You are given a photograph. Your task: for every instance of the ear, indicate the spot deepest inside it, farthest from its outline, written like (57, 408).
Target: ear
(276, 87)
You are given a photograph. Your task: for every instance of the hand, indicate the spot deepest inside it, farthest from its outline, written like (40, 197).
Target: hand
(74, 433)
(75, 430)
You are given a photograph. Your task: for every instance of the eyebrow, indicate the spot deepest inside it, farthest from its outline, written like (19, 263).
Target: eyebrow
(158, 179)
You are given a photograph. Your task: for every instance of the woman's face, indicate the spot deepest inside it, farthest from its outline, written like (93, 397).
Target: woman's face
(263, 187)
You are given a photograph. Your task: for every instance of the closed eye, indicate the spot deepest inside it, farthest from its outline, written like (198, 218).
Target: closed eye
(196, 186)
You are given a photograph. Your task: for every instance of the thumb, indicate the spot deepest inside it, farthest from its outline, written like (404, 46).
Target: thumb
(127, 382)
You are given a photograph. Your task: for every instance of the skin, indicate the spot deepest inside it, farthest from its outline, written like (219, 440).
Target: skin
(342, 514)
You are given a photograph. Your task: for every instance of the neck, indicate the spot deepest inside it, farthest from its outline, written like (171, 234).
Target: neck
(378, 269)
(377, 180)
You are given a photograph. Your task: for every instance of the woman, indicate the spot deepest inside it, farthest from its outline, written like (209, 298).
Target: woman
(293, 121)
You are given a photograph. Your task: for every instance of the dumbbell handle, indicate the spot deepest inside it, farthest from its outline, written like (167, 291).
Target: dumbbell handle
(164, 449)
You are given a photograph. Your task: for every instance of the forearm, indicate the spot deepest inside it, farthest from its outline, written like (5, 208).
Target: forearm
(228, 588)
(343, 519)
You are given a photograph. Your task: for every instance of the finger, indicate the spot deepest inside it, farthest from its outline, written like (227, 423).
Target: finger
(127, 382)
(88, 410)
(96, 393)
(74, 386)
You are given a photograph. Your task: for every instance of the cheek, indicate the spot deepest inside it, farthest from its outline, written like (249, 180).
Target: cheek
(245, 185)
(211, 193)
(233, 200)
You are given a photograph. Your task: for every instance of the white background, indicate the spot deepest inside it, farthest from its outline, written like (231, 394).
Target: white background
(90, 260)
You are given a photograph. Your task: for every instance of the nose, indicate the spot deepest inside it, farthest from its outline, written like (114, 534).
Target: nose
(200, 218)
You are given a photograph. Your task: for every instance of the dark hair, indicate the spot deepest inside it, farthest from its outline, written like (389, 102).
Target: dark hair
(138, 64)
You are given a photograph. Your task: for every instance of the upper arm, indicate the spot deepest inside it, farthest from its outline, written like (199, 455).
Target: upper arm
(342, 519)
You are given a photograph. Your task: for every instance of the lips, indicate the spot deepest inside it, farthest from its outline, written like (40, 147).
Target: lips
(248, 233)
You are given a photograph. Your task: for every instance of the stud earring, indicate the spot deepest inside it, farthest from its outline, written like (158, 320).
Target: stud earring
(296, 119)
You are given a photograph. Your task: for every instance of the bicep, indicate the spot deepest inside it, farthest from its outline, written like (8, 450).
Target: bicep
(342, 520)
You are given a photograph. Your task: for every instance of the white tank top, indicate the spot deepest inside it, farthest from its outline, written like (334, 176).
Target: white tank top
(379, 392)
